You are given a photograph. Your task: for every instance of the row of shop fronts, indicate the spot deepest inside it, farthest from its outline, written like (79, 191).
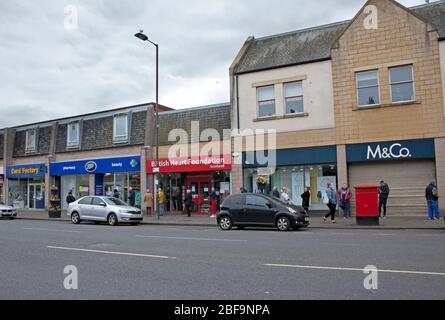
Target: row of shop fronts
(407, 166)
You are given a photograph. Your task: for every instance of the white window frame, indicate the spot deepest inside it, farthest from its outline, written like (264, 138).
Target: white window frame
(120, 138)
(401, 82)
(300, 96)
(33, 147)
(71, 144)
(259, 101)
(357, 88)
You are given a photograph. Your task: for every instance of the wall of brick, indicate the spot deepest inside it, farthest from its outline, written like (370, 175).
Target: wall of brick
(440, 170)
(401, 38)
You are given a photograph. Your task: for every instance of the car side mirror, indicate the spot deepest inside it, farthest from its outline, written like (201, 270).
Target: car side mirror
(269, 205)
(103, 204)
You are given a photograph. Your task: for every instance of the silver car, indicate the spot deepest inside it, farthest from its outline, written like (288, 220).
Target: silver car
(7, 211)
(103, 209)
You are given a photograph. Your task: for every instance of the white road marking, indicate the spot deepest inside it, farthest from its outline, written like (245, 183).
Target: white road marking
(112, 252)
(52, 230)
(356, 269)
(342, 234)
(339, 244)
(184, 238)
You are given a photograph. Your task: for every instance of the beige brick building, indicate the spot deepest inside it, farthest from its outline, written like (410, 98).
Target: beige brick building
(358, 101)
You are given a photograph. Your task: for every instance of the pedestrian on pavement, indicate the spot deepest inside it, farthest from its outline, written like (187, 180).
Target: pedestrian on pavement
(242, 190)
(284, 195)
(344, 202)
(70, 198)
(383, 198)
(213, 203)
(275, 192)
(306, 197)
(432, 197)
(331, 195)
(161, 201)
(175, 198)
(148, 202)
(116, 194)
(188, 202)
(131, 197)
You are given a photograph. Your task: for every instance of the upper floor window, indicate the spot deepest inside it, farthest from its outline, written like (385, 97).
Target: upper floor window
(402, 83)
(266, 101)
(368, 88)
(73, 136)
(120, 128)
(31, 137)
(293, 97)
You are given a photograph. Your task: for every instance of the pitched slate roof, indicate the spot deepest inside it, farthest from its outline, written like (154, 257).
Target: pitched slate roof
(210, 117)
(314, 44)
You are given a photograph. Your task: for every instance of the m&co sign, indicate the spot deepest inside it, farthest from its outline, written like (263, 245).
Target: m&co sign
(191, 164)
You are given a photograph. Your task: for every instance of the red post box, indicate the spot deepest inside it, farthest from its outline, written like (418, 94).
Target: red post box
(367, 205)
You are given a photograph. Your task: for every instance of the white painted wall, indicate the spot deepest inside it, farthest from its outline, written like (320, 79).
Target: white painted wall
(317, 91)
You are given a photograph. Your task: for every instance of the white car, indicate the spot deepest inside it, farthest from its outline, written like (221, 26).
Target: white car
(7, 211)
(103, 209)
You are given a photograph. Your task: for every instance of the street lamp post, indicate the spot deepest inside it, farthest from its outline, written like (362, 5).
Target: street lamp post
(143, 37)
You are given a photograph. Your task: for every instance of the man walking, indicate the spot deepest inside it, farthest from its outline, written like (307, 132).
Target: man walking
(383, 198)
(432, 198)
(332, 202)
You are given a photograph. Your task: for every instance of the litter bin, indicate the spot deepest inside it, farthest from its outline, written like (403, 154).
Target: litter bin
(367, 205)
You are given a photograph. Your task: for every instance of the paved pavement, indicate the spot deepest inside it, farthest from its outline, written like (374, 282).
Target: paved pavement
(189, 262)
(392, 222)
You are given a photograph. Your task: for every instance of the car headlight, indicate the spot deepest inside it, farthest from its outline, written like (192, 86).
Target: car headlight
(291, 210)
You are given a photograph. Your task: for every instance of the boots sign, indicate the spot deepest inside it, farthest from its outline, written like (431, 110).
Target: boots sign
(395, 151)
(391, 150)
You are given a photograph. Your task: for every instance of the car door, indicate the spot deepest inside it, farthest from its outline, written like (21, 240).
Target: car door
(258, 210)
(85, 207)
(100, 210)
(236, 208)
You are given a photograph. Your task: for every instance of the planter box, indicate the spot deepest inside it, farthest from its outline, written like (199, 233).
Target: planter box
(54, 214)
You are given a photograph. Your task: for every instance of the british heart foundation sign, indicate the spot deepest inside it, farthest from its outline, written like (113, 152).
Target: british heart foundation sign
(192, 164)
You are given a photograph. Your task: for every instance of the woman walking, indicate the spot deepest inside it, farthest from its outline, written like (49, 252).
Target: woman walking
(284, 195)
(344, 196)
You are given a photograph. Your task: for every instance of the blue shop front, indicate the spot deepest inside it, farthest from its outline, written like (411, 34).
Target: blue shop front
(26, 185)
(293, 169)
(109, 174)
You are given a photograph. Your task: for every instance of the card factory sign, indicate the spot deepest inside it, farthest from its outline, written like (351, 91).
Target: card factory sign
(192, 164)
(394, 150)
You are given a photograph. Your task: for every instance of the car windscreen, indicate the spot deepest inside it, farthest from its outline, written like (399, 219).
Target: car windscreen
(115, 202)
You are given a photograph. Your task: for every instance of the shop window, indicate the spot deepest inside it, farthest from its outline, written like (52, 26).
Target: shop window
(73, 135)
(402, 83)
(120, 128)
(293, 97)
(368, 93)
(266, 101)
(31, 137)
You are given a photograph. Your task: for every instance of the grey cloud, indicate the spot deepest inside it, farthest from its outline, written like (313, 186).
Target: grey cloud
(47, 71)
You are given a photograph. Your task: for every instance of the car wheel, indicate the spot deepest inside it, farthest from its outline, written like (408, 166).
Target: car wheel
(75, 218)
(283, 223)
(225, 223)
(112, 219)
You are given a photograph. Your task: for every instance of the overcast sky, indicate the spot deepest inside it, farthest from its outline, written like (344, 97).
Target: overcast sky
(48, 71)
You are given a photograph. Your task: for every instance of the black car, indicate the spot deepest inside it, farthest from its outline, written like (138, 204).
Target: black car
(249, 209)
